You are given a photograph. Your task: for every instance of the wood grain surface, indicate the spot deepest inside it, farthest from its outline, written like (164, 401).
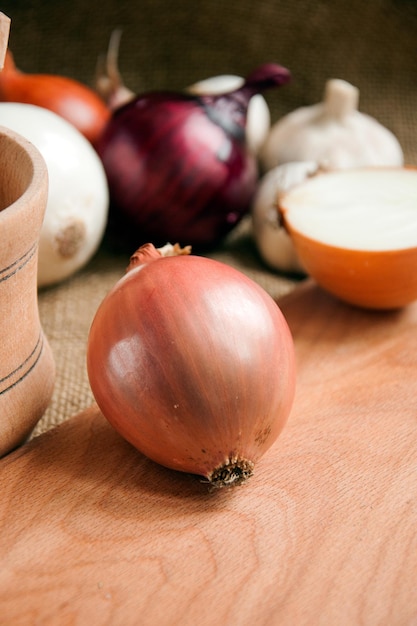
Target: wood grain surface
(324, 534)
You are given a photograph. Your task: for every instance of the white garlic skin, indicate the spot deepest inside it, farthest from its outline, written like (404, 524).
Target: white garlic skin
(272, 240)
(258, 121)
(78, 198)
(333, 133)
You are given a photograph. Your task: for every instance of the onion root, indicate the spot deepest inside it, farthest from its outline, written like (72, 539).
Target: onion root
(232, 473)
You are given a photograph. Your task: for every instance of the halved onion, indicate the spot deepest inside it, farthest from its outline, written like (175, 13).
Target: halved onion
(355, 232)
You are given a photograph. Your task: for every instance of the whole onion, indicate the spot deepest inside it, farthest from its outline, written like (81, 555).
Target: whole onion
(178, 166)
(75, 102)
(193, 363)
(78, 197)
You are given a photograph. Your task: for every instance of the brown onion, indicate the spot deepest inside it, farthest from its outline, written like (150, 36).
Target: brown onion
(193, 363)
(68, 98)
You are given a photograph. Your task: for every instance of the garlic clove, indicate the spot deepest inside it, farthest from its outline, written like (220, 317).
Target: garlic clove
(355, 232)
(259, 117)
(272, 240)
(333, 133)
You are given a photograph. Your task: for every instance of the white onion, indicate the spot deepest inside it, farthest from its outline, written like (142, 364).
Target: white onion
(355, 231)
(78, 198)
(358, 209)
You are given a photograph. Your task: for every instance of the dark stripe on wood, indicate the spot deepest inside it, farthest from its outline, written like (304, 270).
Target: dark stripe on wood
(17, 265)
(24, 368)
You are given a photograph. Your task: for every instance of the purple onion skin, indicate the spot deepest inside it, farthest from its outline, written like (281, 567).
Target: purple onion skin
(177, 165)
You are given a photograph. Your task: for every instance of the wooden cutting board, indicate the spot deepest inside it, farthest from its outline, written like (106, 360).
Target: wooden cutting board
(325, 533)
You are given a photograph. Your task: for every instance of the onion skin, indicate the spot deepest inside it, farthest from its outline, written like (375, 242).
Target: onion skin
(178, 166)
(193, 363)
(70, 99)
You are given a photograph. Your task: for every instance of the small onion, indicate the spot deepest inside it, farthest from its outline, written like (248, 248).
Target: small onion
(178, 166)
(193, 363)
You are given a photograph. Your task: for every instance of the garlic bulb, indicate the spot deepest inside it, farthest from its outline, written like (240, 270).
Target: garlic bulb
(78, 197)
(259, 117)
(272, 240)
(332, 133)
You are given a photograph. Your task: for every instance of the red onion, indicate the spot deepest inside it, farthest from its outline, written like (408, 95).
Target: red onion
(193, 363)
(177, 164)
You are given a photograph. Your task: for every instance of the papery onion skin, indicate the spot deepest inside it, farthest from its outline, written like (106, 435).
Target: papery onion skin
(193, 363)
(178, 167)
(72, 100)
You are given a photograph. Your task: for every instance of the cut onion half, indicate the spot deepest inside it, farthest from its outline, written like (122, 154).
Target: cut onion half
(355, 231)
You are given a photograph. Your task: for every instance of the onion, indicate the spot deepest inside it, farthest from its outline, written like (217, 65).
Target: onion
(70, 99)
(355, 232)
(177, 164)
(78, 198)
(192, 363)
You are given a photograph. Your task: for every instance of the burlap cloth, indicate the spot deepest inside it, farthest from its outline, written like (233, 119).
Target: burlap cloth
(172, 44)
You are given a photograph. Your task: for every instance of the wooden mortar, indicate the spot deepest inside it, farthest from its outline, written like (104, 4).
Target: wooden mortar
(27, 369)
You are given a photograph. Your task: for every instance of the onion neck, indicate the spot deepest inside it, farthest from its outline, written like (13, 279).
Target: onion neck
(229, 110)
(148, 253)
(109, 83)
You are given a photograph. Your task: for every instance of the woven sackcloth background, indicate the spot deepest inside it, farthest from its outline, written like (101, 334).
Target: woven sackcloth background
(172, 44)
